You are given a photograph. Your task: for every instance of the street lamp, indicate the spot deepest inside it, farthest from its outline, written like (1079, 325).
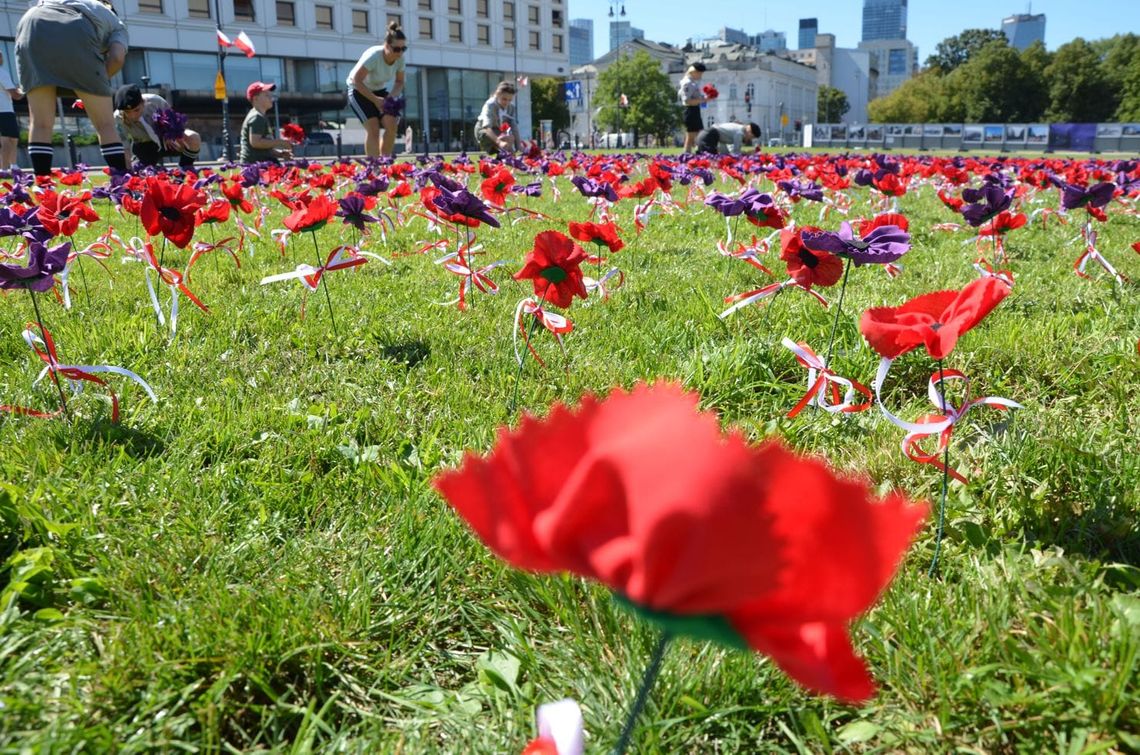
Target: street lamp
(616, 4)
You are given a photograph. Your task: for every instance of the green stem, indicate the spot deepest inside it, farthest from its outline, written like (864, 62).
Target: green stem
(945, 483)
(518, 373)
(838, 309)
(647, 681)
(54, 376)
(325, 284)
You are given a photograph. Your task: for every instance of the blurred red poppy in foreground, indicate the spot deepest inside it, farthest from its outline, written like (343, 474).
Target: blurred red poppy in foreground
(936, 319)
(754, 547)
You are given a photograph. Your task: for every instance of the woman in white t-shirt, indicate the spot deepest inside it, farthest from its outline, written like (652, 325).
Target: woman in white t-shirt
(374, 86)
(9, 129)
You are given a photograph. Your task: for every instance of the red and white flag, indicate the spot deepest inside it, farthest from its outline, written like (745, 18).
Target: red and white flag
(624, 101)
(523, 80)
(245, 44)
(223, 40)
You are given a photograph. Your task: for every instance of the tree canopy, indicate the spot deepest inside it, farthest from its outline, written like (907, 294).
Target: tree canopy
(976, 76)
(652, 98)
(548, 102)
(831, 105)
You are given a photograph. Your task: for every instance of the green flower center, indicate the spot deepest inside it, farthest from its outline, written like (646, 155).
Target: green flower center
(553, 274)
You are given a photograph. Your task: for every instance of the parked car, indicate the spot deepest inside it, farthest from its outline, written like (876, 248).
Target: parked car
(321, 137)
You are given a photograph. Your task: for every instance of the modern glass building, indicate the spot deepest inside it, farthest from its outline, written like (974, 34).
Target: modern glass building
(1024, 29)
(581, 41)
(884, 19)
(809, 27)
(622, 32)
(769, 41)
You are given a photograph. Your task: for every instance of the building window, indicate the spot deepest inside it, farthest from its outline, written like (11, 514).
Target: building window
(394, 17)
(483, 34)
(393, 3)
(324, 16)
(424, 4)
(896, 62)
(455, 31)
(359, 21)
(150, 6)
(455, 7)
(508, 37)
(508, 11)
(535, 40)
(556, 43)
(532, 15)
(483, 8)
(286, 15)
(426, 31)
(243, 10)
(556, 19)
(199, 8)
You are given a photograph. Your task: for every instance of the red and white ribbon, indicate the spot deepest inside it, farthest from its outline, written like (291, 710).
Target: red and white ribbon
(560, 726)
(751, 297)
(1045, 213)
(821, 381)
(839, 202)
(143, 251)
(205, 247)
(985, 270)
(941, 425)
(602, 286)
(1088, 235)
(470, 277)
(341, 258)
(98, 251)
(44, 347)
(557, 324)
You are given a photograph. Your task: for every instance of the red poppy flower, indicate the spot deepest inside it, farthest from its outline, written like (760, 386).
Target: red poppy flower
(62, 213)
(954, 203)
(234, 193)
(602, 234)
(1136, 247)
(936, 319)
(401, 189)
(554, 266)
(496, 187)
(169, 208)
(217, 211)
(293, 132)
(312, 217)
(753, 546)
(1003, 224)
(809, 268)
(887, 218)
(131, 205)
(890, 185)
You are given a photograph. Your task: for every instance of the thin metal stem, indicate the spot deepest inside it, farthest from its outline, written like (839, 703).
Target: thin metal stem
(647, 681)
(945, 483)
(51, 370)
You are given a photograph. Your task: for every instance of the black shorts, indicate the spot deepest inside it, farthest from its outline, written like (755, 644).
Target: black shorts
(149, 153)
(708, 141)
(365, 109)
(693, 120)
(8, 126)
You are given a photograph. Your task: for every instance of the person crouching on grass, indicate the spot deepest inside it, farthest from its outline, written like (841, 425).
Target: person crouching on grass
(134, 118)
(258, 145)
(496, 112)
(727, 138)
(376, 77)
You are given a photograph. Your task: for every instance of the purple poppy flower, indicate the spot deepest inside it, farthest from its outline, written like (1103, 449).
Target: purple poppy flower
(1074, 197)
(465, 203)
(394, 105)
(591, 188)
(370, 187)
(985, 203)
(803, 189)
(530, 190)
(169, 125)
(728, 206)
(863, 177)
(352, 210)
(39, 275)
(886, 243)
(250, 176)
(443, 182)
(26, 225)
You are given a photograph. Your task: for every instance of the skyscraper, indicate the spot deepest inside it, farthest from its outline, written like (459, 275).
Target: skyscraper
(809, 27)
(884, 19)
(622, 32)
(581, 41)
(1024, 29)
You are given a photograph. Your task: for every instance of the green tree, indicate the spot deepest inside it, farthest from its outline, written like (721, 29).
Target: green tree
(831, 105)
(653, 106)
(1117, 54)
(956, 51)
(547, 102)
(919, 100)
(995, 84)
(1079, 90)
(1129, 108)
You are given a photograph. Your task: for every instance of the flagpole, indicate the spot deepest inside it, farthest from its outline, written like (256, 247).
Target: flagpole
(226, 140)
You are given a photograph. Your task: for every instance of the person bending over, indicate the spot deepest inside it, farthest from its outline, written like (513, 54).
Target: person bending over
(727, 138)
(374, 87)
(134, 118)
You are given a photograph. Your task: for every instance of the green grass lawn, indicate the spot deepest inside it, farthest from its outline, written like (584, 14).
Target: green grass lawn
(258, 562)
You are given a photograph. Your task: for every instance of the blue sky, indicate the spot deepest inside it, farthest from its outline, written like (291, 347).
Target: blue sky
(928, 21)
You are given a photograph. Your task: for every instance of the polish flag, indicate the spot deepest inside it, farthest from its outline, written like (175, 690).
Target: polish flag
(245, 44)
(624, 101)
(523, 80)
(223, 40)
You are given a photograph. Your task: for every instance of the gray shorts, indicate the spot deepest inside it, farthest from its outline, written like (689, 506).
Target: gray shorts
(57, 46)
